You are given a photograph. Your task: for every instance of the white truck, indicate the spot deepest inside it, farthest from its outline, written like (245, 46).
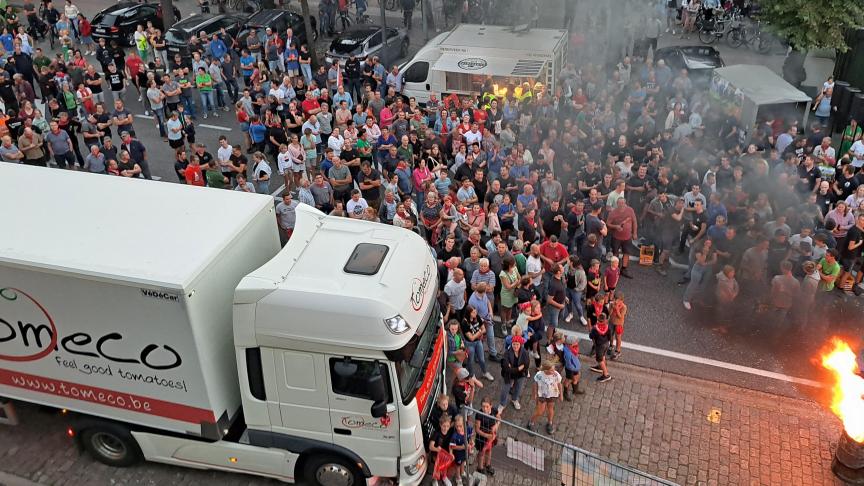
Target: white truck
(168, 323)
(460, 60)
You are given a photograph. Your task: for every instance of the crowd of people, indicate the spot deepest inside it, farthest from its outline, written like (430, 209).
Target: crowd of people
(535, 205)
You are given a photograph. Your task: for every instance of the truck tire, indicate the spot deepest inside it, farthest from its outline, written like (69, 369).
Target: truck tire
(327, 470)
(111, 444)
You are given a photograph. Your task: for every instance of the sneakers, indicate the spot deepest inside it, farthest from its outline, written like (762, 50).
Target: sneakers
(488, 376)
(530, 426)
(517, 405)
(447, 482)
(568, 318)
(687, 305)
(662, 271)
(224, 108)
(584, 321)
(205, 116)
(604, 378)
(458, 481)
(596, 369)
(140, 98)
(215, 113)
(616, 355)
(489, 471)
(550, 429)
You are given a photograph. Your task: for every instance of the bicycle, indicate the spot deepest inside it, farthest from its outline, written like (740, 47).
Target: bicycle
(715, 28)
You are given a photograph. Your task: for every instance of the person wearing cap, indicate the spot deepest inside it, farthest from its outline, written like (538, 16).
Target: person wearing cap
(572, 367)
(464, 388)
(547, 389)
(601, 335)
(514, 370)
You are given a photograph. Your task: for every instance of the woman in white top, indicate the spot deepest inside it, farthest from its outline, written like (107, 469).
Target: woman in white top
(71, 11)
(335, 142)
(547, 389)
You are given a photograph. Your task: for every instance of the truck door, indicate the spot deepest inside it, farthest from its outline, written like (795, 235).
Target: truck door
(303, 398)
(416, 81)
(375, 440)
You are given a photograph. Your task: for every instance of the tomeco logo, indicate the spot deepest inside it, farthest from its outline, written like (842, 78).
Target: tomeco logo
(29, 333)
(472, 63)
(26, 330)
(418, 288)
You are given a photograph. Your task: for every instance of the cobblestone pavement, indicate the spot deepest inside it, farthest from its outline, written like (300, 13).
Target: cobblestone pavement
(657, 422)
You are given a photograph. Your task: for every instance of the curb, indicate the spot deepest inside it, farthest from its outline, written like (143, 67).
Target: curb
(7, 479)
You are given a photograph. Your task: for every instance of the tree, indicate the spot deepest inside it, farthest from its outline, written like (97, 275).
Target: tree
(813, 24)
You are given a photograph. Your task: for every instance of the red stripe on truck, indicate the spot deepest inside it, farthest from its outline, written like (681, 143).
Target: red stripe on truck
(109, 398)
(431, 369)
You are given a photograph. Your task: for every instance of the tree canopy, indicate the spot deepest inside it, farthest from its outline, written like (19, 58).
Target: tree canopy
(814, 24)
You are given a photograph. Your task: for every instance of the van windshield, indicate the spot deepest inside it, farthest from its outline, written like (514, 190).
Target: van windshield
(411, 359)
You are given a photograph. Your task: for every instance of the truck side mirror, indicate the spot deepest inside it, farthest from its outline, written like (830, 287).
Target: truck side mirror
(378, 393)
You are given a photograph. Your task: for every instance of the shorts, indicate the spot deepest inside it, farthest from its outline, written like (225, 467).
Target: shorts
(546, 399)
(298, 168)
(619, 329)
(622, 246)
(176, 143)
(600, 352)
(570, 374)
(244, 127)
(611, 290)
(292, 72)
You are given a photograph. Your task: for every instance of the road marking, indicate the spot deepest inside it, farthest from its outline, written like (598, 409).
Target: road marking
(214, 127)
(711, 362)
(145, 117)
(277, 191)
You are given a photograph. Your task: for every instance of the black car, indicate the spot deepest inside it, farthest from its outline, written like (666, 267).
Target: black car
(179, 35)
(119, 22)
(279, 21)
(699, 61)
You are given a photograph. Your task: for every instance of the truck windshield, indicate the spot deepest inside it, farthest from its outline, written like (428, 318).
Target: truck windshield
(411, 359)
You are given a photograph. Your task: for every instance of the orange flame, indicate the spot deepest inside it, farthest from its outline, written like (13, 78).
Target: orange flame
(847, 400)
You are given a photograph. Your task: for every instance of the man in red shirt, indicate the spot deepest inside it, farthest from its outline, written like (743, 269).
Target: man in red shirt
(552, 252)
(193, 173)
(622, 221)
(310, 105)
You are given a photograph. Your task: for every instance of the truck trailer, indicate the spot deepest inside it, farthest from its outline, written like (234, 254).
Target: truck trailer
(459, 61)
(170, 326)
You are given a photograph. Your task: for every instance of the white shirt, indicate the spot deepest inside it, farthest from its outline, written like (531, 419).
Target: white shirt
(356, 208)
(223, 155)
(533, 265)
(335, 143)
(857, 150)
(547, 385)
(472, 138)
(283, 162)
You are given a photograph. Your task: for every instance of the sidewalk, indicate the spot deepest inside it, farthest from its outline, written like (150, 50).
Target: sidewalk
(661, 423)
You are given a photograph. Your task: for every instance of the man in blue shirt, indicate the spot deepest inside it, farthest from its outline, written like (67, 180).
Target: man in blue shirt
(247, 66)
(217, 48)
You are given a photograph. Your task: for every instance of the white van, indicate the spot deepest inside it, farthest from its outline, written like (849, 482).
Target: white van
(459, 61)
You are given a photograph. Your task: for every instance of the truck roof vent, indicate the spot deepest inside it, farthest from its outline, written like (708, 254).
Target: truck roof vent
(366, 259)
(528, 67)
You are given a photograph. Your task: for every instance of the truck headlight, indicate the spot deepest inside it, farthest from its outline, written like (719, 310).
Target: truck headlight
(415, 468)
(397, 325)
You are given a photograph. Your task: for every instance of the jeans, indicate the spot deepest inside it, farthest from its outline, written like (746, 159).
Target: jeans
(207, 103)
(188, 105)
(219, 89)
(233, 89)
(490, 339)
(552, 315)
(65, 160)
(475, 354)
(576, 307)
(159, 113)
(306, 69)
(511, 391)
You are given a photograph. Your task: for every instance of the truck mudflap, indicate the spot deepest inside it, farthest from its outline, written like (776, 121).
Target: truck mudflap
(435, 380)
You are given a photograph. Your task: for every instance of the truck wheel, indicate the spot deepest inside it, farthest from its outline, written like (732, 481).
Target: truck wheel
(332, 471)
(111, 444)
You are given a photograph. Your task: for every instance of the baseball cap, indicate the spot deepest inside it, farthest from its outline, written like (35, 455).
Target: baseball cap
(518, 339)
(462, 374)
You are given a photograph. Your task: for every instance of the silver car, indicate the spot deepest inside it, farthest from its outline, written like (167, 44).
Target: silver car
(365, 41)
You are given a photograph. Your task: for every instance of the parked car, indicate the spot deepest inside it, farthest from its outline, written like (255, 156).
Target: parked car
(119, 22)
(178, 36)
(699, 61)
(365, 41)
(280, 21)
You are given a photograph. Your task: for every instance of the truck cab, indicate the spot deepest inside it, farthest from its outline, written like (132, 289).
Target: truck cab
(340, 349)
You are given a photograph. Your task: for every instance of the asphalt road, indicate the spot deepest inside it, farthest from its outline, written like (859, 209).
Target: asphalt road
(658, 320)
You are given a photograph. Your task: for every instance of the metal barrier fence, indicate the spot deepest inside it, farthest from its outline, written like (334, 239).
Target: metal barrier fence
(523, 457)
